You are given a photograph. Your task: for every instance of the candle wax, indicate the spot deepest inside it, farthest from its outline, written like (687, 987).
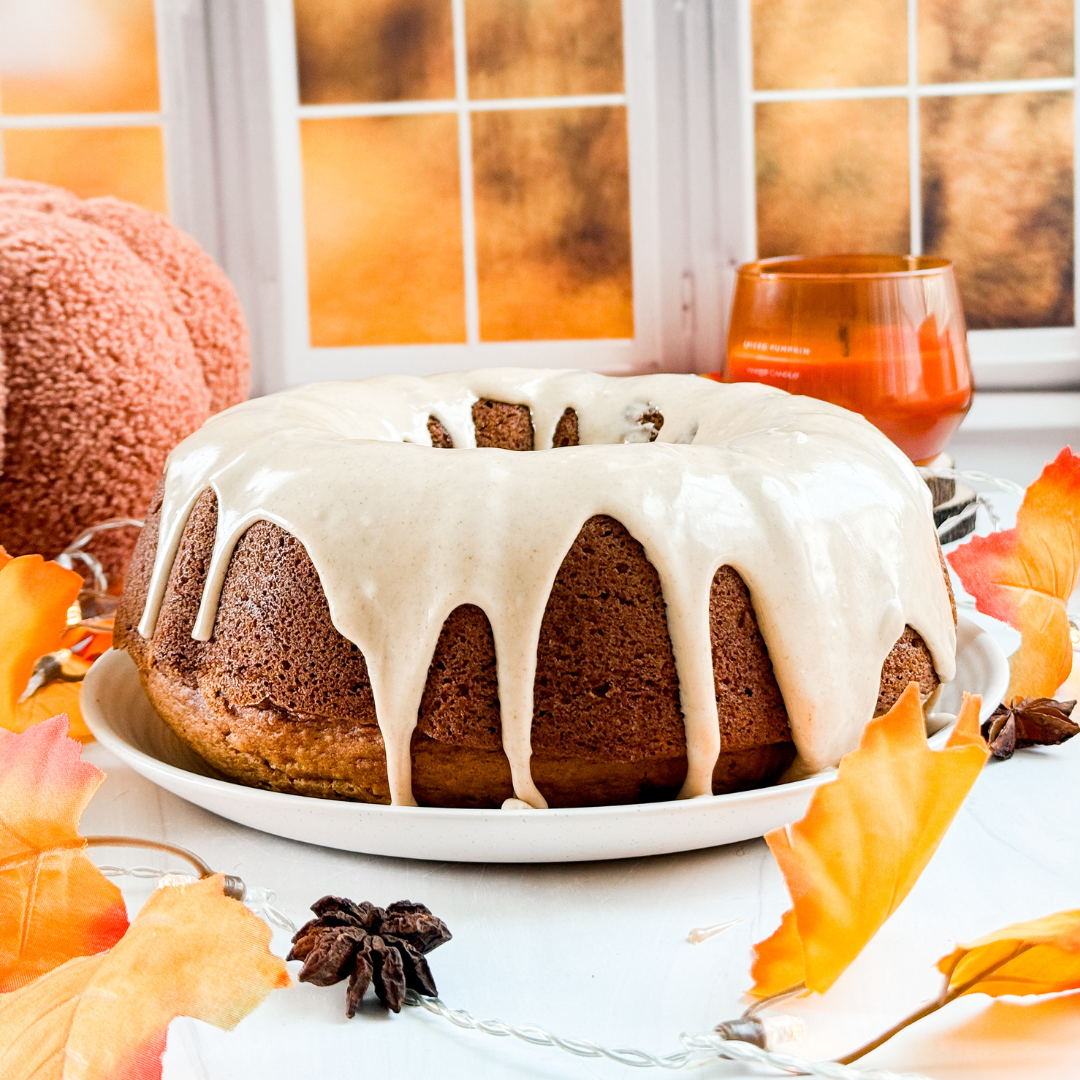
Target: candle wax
(911, 384)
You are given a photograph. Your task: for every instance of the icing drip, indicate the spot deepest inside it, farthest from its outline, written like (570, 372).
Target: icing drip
(826, 521)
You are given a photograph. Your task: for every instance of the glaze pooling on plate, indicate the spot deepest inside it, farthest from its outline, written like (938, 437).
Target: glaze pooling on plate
(827, 522)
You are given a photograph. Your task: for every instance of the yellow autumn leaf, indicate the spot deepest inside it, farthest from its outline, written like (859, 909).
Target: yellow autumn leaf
(1041, 956)
(863, 842)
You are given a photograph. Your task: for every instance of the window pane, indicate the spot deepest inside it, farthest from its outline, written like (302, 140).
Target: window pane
(832, 177)
(89, 56)
(553, 224)
(808, 43)
(125, 162)
(374, 50)
(997, 180)
(383, 218)
(994, 39)
(537, 48)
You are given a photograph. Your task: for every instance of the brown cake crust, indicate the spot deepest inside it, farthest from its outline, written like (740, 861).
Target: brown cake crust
(278, 698)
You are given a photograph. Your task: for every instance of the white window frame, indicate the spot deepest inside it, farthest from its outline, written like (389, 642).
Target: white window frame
(1043, 357)
(254, 55)
(184, 115)
(235, 184)
(187, 117)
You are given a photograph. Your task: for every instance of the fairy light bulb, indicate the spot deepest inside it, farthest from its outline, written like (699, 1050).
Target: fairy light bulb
(767, 1033)
(174, 880)
(782, 1029)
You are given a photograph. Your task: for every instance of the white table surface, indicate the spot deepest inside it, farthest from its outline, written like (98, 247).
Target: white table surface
(600, 951)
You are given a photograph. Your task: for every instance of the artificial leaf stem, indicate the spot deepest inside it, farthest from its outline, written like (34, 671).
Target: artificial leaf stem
(756, 1006)
(941, 1000)
(203, 869)
(232, 886)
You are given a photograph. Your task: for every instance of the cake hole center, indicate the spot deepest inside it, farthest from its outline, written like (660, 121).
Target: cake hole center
(506, 426)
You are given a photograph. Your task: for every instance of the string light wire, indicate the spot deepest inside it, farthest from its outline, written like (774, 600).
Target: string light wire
(697, 1048)
(258, 900)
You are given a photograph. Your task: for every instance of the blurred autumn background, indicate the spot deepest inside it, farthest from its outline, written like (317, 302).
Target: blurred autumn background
(388, 223)
(76, 58)
(550, 185)
(995, 179)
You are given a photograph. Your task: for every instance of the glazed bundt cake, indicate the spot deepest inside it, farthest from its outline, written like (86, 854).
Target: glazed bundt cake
(687, 588)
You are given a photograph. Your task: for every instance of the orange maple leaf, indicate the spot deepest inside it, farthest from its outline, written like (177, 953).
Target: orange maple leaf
(1025, 576)
(54, 902)
(865, 839)
(55, 698)
(35, 596)
(191, 951)
(1037, 957)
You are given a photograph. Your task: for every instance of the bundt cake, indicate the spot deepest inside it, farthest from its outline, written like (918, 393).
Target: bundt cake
(692, 588)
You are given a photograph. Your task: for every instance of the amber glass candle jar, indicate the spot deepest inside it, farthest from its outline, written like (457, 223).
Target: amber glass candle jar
(882, 335)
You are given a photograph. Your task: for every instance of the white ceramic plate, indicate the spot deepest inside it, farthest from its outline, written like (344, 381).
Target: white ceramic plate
(120, 716)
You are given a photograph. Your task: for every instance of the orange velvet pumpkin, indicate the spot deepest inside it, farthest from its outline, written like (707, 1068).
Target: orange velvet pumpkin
(118, 337)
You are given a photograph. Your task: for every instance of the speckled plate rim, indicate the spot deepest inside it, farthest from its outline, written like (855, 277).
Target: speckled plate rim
(122, 719)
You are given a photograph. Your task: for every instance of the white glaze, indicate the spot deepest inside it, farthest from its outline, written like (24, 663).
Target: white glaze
(827, 522)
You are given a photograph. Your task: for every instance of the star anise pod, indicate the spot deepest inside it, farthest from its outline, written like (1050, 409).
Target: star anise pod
(1028, 722)
(369, 945)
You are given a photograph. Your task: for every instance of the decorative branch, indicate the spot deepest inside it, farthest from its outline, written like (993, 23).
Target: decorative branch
(939, 1002)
